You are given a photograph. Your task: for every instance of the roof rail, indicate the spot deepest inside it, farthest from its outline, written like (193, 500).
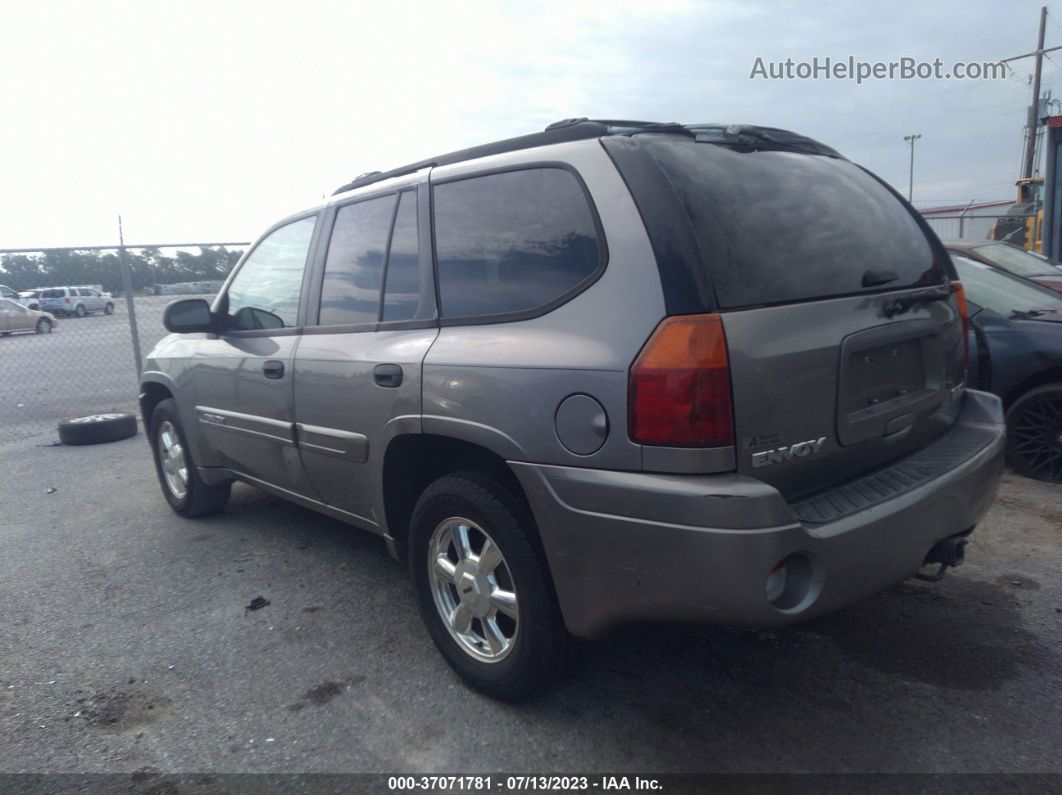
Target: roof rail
(578, 129)
(568, 130)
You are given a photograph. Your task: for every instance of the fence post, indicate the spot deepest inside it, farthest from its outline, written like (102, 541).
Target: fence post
(127, 288)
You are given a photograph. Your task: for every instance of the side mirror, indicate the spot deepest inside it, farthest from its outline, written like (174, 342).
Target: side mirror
(188, 316)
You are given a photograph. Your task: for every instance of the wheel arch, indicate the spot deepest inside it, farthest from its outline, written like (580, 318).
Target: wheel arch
(414, 460)
(1040, 378)
(154, 388)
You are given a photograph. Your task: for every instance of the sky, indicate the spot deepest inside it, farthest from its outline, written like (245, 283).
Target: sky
(207, 121)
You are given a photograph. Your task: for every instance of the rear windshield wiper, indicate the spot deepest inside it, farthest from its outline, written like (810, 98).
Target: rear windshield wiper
(897, 306)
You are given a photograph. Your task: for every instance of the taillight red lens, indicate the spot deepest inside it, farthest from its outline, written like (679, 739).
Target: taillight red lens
(66, 300)
(679, 387)
(964, 313)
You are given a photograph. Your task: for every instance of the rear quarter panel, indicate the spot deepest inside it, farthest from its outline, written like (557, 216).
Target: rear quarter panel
(499, 385)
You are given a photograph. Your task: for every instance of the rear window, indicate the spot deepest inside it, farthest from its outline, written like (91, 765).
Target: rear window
(512, 242)
(776, 227)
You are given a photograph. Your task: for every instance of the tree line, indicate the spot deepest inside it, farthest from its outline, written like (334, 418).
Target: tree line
(147, 267)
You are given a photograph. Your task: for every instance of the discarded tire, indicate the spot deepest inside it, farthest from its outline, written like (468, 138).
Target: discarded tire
(97, 428)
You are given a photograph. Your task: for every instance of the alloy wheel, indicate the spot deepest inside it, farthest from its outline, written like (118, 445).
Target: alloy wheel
(1037, 436)
(473, 589)
(172, 460)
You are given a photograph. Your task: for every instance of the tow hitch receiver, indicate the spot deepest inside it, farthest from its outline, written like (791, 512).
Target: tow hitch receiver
(948, 552)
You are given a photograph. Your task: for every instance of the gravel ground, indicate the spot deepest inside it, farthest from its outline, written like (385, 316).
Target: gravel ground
(126, 647)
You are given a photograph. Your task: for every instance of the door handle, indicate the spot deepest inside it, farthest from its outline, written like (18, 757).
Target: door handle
(387, 375)
(273, 369)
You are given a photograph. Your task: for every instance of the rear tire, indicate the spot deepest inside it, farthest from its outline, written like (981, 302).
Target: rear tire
(44, 326)
(512, 636)
(1034, 433)
(170, 450)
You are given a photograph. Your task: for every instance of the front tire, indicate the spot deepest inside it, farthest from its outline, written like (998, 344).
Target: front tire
(109, 309)
(183, 488)
(483, 587)
(1034, 433)
(44, 326)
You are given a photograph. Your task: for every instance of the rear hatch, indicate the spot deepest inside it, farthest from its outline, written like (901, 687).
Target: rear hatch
(845, 338)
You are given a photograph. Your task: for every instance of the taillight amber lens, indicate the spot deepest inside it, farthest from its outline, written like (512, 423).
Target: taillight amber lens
(679, 387)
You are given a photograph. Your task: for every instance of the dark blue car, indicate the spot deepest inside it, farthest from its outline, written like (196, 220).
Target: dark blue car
(1016, 352)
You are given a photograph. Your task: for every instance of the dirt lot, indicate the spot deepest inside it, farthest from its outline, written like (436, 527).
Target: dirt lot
(126, 647)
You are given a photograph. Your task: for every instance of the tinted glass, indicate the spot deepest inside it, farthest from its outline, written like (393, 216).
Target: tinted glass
(989, 288)
(779, 226)
(402, 291)
(354, 266)
(53, 294)
(265, 292)
(84, 292)
(512, 241)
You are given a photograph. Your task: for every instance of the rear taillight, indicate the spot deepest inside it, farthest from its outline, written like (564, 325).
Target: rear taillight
(66, 300)
(964, 313)
(679, 388)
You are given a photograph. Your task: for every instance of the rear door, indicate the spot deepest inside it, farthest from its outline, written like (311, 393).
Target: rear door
(845, 340)
(358, 366)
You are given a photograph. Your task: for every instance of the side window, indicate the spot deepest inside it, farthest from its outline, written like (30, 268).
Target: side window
(85, 293)
(350, 292)
(512, 241)
(402, 290)
(265, 292)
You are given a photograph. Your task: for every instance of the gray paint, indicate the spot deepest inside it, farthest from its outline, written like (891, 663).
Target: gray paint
(629, 532)
(582, 424)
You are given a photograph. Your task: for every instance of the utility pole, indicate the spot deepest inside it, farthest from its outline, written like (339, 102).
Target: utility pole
(1033, 120)
(910, 179)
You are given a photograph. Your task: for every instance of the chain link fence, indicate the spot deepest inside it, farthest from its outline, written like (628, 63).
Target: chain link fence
(1016, 229)
(108, 305)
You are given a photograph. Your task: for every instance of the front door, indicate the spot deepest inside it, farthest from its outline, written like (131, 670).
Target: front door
(242, 377)
(358, 371)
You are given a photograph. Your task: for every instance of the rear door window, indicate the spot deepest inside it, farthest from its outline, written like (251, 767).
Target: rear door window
(353, 274)
(402, 288)
(513, 242)
(777, 227)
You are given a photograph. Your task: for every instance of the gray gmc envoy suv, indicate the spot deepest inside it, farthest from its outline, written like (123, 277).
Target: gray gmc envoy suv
(613, 371)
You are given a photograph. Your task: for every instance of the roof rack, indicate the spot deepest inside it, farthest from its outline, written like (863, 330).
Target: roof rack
(580, 129)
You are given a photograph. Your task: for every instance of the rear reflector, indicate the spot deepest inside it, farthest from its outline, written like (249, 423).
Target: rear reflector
(679, 387)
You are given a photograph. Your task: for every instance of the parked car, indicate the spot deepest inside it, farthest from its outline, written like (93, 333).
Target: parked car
(1013, 259)
(611, 372)
(7, 292)
(31, 299)
(15, 317)
(76, 301)
(1017, 354)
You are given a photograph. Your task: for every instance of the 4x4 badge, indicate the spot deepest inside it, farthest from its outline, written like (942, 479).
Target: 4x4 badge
(780, 454)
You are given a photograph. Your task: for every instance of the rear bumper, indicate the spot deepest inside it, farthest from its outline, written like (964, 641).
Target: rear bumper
(628, 546)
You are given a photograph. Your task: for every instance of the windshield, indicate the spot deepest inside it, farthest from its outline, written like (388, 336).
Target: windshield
(777, 227)
(1005, 295)
(1018, 261)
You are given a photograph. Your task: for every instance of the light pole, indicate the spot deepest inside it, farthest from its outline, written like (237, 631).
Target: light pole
(910, 179)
